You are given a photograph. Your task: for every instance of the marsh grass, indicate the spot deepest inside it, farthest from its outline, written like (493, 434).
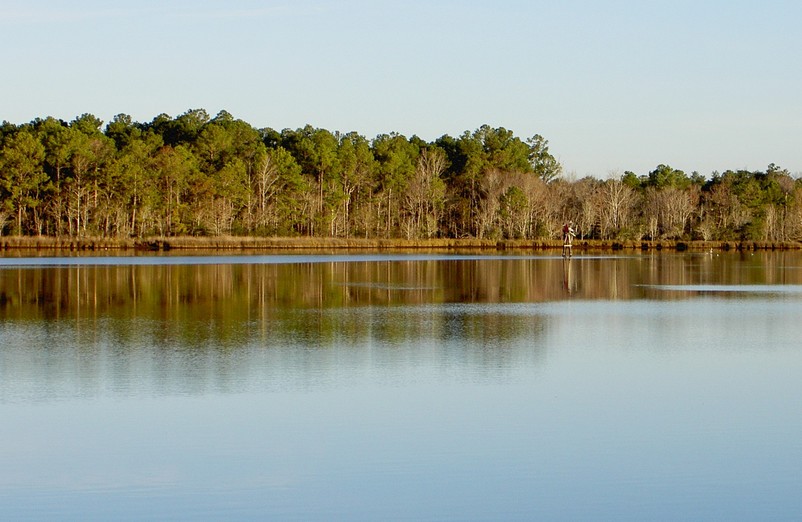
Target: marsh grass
(241, 243)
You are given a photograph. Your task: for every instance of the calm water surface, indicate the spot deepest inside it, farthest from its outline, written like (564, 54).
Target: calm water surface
(401, 387)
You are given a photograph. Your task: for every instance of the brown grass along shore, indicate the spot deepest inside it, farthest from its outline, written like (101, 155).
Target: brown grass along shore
(230, 243)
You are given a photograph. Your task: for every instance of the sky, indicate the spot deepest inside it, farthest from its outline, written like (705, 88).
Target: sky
(614, 86)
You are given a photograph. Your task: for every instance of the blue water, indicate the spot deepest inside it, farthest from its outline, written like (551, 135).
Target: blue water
(684, 404)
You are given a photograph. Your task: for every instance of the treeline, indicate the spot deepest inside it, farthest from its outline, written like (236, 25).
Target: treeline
(204, 176)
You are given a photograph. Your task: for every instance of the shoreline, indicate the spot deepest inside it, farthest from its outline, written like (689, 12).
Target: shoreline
(161, 244)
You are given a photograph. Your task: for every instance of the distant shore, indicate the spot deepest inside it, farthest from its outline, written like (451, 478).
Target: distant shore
(233, 243)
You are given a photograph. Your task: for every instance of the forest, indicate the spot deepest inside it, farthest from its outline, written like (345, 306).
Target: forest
(196, 175)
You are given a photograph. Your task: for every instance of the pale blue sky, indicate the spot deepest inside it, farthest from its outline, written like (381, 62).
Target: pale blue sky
(614, 86)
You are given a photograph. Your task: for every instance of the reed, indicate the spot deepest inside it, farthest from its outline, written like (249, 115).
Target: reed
(64, 243)
(242, 243)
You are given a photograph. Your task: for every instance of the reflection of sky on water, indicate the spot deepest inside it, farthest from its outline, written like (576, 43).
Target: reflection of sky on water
(747, 289)
(93, 358)
(567, 410)
(199, 404)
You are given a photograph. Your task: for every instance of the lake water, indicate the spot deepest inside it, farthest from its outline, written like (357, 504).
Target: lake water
(401, 387)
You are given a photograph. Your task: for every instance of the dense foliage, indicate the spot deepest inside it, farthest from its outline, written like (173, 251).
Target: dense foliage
(197, 175)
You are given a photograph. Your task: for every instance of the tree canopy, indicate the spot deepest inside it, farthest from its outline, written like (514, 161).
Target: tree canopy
(199, 175)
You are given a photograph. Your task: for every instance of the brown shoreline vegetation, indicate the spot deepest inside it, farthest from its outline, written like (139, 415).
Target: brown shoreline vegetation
(247, 244)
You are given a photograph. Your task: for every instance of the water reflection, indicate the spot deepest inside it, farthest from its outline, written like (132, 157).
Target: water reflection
(253, 288)
(634, 387)
(296, 350)
(224, 323)
(569, 283)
